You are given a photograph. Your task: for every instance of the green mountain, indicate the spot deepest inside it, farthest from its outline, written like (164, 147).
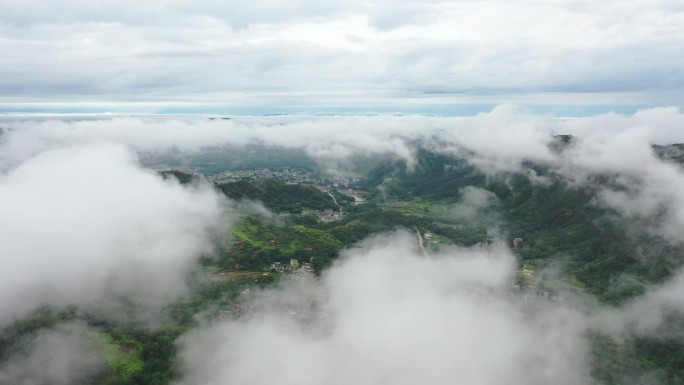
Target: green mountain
(569, 241)
(278, 196)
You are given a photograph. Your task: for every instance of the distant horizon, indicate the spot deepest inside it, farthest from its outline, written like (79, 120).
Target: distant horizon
(453, 110)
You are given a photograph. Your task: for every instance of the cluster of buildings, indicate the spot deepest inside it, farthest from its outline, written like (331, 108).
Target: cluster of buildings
(286, 175)
(336, 181)
(292, 267)
(358, 195)
(325, 215)
(291, 176)
(518, 243)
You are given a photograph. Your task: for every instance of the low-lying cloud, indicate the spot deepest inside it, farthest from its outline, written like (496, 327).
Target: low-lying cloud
(387, 315)
(83, 224)
(64, 355)
(86, 226)
(503, 140)
(496, 141)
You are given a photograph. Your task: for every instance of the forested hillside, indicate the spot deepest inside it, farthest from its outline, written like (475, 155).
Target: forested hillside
(561, 224)
(571, 241)
(278, 196)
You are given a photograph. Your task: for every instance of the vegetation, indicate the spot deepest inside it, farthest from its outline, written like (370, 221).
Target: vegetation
(594, 250)
(259, 242)
(279, 197)
(435, 176)
(135, 355)
(641, 360)
(613, 261)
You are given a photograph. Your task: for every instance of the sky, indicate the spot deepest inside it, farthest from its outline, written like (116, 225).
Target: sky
(375, 56)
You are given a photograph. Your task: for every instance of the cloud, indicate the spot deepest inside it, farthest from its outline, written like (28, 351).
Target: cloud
(496, 141)
(61, 356)
(473, 200)
(67, 173)
(385, 314)
(86, 226)
(502, 138)
(644, 187)
(353, 53)
(79, 212)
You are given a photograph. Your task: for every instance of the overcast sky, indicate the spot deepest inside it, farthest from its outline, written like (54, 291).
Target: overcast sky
(265, 56)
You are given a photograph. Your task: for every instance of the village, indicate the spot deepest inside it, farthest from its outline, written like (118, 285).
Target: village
(286, 175)
(290, 176)
(294, 265)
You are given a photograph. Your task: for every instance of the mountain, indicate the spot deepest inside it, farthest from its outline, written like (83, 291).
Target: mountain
(566, 243)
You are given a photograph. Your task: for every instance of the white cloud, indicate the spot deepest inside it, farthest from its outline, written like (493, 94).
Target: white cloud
(86, 225)
(60, 356)
(309, 53)
(79, 213)
(496, 141)
(502, 140)
(384, 314)
(390, 316)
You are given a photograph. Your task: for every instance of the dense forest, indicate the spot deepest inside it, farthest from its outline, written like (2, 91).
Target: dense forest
(278, 196)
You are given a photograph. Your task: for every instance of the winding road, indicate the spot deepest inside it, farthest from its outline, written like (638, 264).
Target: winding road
(420, 242)
(333, 198)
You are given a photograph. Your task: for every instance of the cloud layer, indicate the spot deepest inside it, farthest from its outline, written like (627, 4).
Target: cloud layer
(61, 356)
(386, 315)
(355, 53)
(86, 225)
(498, 141)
